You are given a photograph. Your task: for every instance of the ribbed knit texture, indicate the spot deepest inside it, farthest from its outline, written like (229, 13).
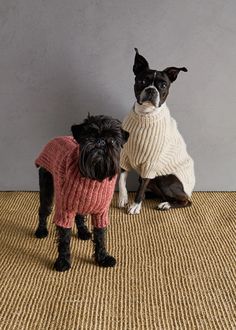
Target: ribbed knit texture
(74, 193)
(155, 147)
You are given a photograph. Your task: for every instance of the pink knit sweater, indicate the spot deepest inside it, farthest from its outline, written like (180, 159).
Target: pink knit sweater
(74, 193)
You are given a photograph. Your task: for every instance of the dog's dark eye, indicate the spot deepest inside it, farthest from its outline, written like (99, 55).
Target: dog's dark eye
(162, 84)
(114, 143)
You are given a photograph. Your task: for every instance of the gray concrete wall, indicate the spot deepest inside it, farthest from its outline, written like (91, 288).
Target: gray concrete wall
(61, 59)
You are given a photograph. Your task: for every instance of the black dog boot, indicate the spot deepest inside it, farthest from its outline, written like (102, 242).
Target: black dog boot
(63, 261)
(82, 229)
(101, 256)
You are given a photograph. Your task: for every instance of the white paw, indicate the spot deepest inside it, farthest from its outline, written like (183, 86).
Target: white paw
(135, 208)
(164, 206)
(123, 200)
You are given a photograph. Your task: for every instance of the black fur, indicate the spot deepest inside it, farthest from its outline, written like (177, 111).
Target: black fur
(145, 77)
(101, 256)
(82, 229)
(101, 139)
(147, 83)
(63, 261)
(140, 194)
(168, 188)
(46, 201)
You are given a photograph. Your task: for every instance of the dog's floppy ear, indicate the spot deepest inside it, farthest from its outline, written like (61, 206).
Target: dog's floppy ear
(140, 63)
(172, 72)
(125, 135)
(78, 131)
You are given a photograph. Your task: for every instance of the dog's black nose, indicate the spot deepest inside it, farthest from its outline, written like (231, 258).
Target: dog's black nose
(151, 91)
(100, 143)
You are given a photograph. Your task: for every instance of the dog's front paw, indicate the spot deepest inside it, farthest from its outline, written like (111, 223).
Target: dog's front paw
(135, 208)
(41, 232)
(62, 265)
(123, 200)
(107, 261)
(163, 206)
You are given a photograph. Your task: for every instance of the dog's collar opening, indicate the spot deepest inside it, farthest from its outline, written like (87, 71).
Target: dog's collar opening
(147, 108)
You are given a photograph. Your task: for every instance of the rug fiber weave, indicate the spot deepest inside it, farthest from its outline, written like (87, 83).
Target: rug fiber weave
(175, 269)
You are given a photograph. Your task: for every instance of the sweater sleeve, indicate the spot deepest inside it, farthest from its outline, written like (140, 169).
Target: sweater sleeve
(100, 220)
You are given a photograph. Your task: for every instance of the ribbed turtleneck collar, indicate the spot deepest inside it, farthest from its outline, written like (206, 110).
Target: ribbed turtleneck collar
(149, 119)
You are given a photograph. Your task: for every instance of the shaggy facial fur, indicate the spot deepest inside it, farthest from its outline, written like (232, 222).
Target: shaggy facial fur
(101, 139)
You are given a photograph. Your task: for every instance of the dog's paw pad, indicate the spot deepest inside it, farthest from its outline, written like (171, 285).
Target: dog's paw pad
(123, 201)
(41, 232)
(84, 235)
(135, 208)
(108, 261)
(164, 206)
(62, 265)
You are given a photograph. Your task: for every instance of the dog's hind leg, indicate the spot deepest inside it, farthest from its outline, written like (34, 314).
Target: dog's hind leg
(63, 261)
(173, 194)
(153, 191)
(46, 200)
(82, 229)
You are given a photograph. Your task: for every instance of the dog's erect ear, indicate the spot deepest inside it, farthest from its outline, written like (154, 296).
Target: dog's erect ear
(172, 72)
(125, 135)
(140, 63)
(78, 131)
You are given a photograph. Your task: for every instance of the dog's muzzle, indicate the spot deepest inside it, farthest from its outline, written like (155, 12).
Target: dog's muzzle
(100, 143)
(150, 94)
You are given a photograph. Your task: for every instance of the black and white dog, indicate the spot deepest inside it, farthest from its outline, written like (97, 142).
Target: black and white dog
(155, 149)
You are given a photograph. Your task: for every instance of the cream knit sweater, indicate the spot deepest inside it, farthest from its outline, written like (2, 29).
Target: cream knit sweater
(155, 147)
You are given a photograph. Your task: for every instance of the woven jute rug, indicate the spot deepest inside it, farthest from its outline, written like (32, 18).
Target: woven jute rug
(175, 269)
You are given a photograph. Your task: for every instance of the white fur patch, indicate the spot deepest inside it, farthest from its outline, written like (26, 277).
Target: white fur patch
(164, 206)
(135, 208)
(123, 200)
(123, 193)
(147, 108)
